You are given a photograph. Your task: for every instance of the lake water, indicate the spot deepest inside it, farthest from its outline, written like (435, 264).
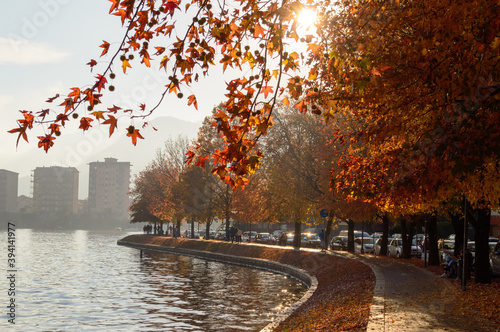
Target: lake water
(83, 281)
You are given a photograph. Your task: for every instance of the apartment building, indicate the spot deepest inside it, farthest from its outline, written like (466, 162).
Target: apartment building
(8, 190)
(109, 187)
(55, 190)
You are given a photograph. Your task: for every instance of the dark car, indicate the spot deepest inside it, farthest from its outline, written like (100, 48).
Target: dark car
(339, 243)
(495, 260)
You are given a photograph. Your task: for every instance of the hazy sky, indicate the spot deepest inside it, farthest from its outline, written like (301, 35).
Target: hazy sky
(44, 48)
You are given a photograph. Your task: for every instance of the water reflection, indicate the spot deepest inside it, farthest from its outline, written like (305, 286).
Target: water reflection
(80, 280)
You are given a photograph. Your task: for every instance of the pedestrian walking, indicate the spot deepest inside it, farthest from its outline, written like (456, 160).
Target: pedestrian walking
(239, 233)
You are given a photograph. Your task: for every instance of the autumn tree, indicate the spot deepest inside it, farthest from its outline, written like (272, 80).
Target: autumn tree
(422, 107)
(153, 187)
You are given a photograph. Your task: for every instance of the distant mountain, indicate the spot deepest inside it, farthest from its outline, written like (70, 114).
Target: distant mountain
(79, 149)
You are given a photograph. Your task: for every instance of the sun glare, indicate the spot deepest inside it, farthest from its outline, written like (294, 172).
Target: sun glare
(307, 18)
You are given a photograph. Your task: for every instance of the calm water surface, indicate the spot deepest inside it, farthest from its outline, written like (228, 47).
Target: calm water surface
(84, 281)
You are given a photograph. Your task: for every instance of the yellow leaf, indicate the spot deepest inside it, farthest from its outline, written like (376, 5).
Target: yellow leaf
(286, 102)
(125, 64)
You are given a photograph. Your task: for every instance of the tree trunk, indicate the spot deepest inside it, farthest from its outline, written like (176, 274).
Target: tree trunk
(297, 236)
(192, 228)
(385, 235)
(406, 244)
(433, 245)
(458, 225)
(328, 229)
(350, 235)
(481, 233)
(207, 231)
(408, 236)
(178, 228)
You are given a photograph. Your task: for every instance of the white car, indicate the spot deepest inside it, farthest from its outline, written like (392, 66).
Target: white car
(396, 248)
(367, 246)
(378, 245)
(248, 236)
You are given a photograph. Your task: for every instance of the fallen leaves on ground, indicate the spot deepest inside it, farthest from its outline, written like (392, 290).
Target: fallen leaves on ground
(477, 300)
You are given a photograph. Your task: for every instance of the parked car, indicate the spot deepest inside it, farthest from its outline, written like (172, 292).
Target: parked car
(313, 230)
(338, 243)
(396, 248)
(187, 234)
(311, 240)
(366, 246)
(248, 236)
(495, 260)
(264, 238)
(220, 235)
(378, 245)
(356, 234)
(211, 235)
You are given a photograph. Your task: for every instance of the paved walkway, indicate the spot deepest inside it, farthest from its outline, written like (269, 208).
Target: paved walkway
(408, 298)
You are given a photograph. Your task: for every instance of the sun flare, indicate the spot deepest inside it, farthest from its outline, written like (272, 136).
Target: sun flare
(307, 18)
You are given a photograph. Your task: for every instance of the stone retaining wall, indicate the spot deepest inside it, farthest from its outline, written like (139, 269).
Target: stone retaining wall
(310, 281)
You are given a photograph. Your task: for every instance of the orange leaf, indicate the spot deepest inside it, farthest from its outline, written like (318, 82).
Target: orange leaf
(135, 136)
(266, 90)
(258, 31)
(105, 47)
(301, 106)
(113, 123)
(192, 100)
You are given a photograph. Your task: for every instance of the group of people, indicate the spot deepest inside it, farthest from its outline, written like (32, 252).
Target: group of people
(147, 229)
(234, 234)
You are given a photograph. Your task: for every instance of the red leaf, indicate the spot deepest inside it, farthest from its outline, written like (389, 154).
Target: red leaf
(101, 81)
(92, 63)
(46, 142)
(52, 99)
(85, 123)
(170, 7)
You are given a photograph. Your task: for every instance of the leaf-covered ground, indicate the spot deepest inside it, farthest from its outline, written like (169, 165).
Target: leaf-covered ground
(345, 286)
(478, 300)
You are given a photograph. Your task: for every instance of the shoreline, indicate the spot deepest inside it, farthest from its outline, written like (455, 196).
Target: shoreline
(340, 289)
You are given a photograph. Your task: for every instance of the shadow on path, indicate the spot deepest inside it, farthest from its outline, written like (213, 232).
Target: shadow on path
(408, 298)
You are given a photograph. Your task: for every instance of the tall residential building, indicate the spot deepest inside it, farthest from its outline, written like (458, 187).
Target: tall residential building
(55, 190)
(109, 187)
(8, 191)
